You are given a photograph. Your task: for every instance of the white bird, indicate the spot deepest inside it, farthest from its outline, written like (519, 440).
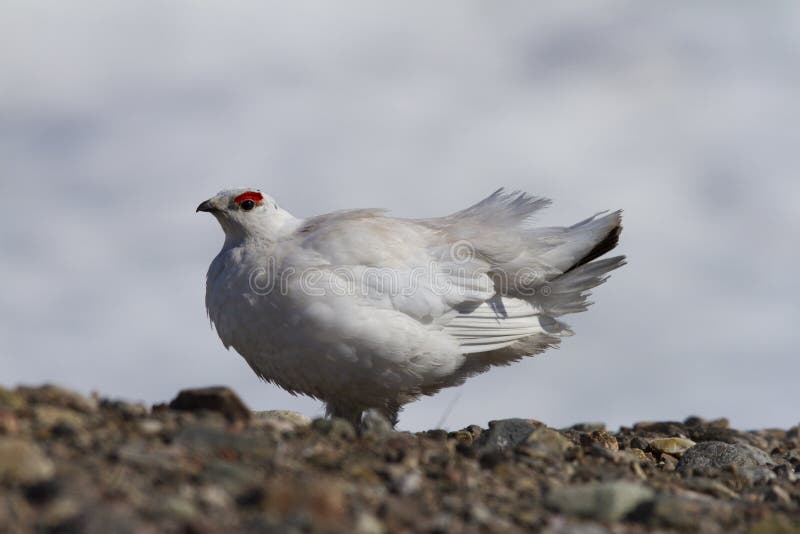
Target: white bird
(366, 311)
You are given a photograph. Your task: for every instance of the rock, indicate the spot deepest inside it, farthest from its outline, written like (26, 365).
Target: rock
(216, 399)
(51, 416)
(690, 514)
(608, 501)
(281, 420)
(368, 524)
(23, 462)
(506, 434)
(724, 434)
(711, 487)
(59, 513)
(126, 467)
(150, 427)
(56, 396)
(669, 428)
(128, 410)
(545, 442)
(668, 462)
(757, 475)
(694, 420)
(600, 438)
(674, 446)
(334, 427)
(588, 427)
(719, 455)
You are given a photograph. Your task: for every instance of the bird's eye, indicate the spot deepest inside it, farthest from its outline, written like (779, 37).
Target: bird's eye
(247, 205)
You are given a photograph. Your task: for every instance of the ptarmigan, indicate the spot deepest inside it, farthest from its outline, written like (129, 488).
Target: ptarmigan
(366, 311)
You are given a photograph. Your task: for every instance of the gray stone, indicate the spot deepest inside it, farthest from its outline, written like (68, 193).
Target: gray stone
(609, 501)
(506, 434)
(719, 455)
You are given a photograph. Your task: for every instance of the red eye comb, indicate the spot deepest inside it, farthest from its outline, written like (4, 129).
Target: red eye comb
(255, 196)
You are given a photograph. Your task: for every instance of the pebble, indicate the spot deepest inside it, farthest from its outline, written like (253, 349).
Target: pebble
(600, 438)
(719, 455)
(674, 446)
(607, 501)
(668, 462)
(368, 524)
(23, 462)
(72, 464)
(588, 427)
(57, 396)
(283, 421)
(216, 399)
(506, 434)
(335, 427)
(51, 416)
(150, 427)
(695, 513)
(545, 442)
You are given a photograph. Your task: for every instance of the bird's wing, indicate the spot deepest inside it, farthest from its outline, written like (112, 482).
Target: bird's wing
(419, 271)
(478, 274)
(392, 263)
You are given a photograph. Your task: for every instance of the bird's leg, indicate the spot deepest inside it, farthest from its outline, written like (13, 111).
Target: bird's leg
(390, 412)
(349, 413)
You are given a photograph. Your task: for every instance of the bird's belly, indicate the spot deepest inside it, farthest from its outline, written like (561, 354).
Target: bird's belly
(335, 348)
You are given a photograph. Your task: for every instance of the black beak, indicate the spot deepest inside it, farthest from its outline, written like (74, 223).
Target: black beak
(206, 206)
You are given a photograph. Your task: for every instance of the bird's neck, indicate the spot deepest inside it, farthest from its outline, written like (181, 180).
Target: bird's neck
(265, 234)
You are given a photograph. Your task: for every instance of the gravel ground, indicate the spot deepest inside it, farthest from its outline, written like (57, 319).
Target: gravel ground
(206, 463)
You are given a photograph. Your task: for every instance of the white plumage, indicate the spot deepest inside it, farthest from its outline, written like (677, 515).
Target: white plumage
(362, 310)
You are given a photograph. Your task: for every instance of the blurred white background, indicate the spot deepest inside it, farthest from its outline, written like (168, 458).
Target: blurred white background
(118, 118)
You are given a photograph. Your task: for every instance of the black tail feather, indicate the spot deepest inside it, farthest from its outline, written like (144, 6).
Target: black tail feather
(605, 245)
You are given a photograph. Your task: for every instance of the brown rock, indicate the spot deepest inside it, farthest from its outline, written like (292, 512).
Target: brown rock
(216, 399)
(600, 438)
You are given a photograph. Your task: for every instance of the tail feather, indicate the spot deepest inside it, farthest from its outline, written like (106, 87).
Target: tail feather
(606, 245)
(585, 241)
(569, 293)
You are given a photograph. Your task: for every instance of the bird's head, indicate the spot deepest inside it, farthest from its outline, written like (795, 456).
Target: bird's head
(245, 213)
